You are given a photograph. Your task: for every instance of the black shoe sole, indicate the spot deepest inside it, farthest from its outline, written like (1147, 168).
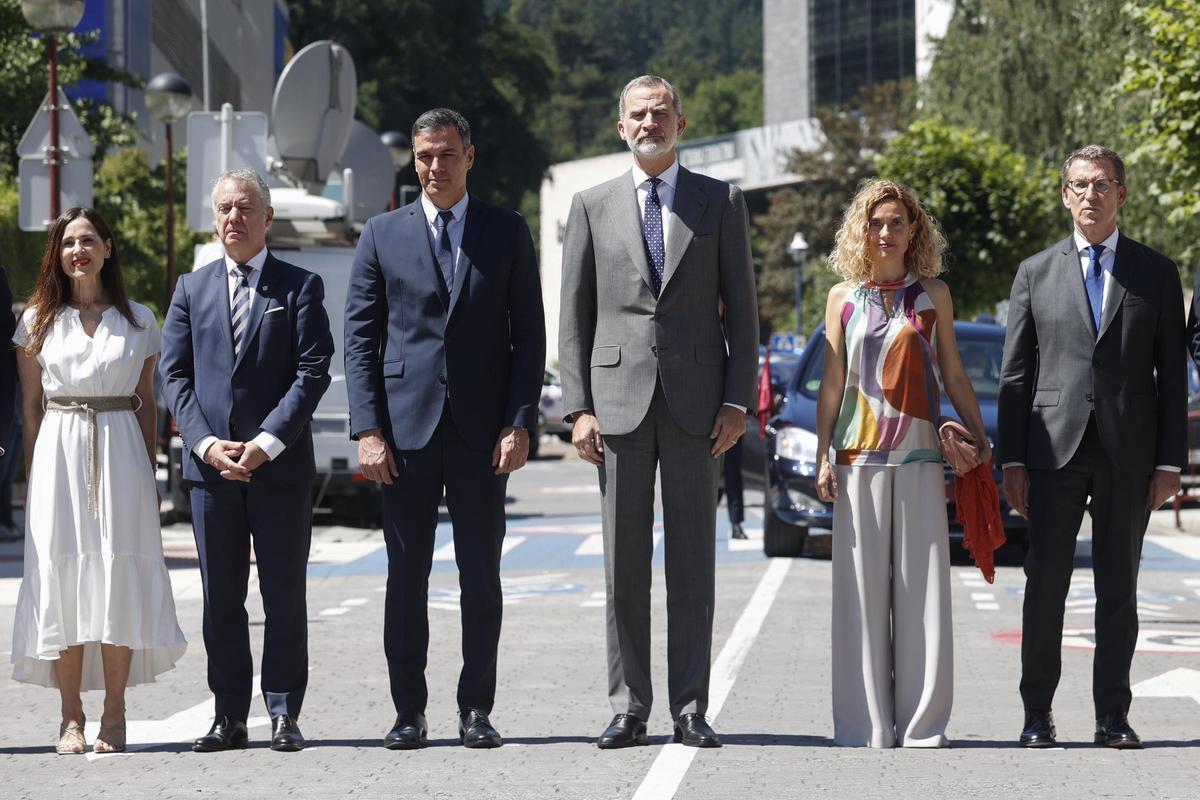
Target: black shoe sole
(201, 748)
(678, 739)
(1124, 744)
(289, 747)
(403, 744)
(1038, 744)
(637, 741)
(480, 744)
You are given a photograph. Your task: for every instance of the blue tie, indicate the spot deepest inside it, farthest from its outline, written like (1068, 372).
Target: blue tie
(445, 253)
(652, 231)
(1095, 284)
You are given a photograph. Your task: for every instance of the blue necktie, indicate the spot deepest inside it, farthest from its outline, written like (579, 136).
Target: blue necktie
(1095, 284)
(240, 310)
(444, 251)
(652, 231)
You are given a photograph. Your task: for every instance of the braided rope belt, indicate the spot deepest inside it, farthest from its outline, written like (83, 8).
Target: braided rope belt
(91, 406)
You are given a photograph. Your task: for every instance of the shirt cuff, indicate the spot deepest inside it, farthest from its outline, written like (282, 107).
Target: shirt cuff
(202, 446)
(1168, 468)
(735, 405)
(1008, 464)
(270, 444)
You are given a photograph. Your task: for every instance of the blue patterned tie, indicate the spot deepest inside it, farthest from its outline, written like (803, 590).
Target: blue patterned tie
(445, 252)
(240, 313)
(1095, 284)
(652, 231)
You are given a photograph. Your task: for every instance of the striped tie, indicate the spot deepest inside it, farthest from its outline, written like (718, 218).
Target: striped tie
(241, 307)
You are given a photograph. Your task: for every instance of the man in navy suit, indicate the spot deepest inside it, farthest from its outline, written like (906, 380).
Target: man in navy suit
(445, 354)
(245, 358)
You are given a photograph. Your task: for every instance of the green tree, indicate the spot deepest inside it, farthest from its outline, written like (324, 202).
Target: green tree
(130, 196)
(412, 55)
(995, 207)
(1166, 74)
(831, 175)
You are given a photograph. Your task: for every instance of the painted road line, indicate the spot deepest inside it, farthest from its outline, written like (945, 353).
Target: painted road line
(753, 540)
(593, 545)
(355, 601)
(1191, 581)
(597, 600)
(446, 551)
(988, 606)
(673, 761)
(333, 612)
(180, 727)
(985, 596)
(582, 488)
(1186, 546)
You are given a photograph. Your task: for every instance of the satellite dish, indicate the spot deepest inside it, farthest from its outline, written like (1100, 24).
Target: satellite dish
(313, 109)
(374, 172)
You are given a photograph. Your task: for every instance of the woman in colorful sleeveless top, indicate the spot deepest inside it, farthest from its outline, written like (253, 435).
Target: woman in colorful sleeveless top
(889, 327)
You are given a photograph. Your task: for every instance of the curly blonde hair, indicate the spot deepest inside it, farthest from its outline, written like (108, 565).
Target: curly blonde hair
(926, 245)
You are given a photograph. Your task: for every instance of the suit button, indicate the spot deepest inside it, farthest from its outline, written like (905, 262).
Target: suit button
(441, 379)
(1088, 397)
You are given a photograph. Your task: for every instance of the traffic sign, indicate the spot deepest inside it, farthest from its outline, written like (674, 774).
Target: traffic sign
(33, 175)
(207, 158)
(72, 138)
(783, 342)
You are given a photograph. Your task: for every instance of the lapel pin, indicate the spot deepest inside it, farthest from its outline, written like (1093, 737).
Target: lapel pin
(265, 288)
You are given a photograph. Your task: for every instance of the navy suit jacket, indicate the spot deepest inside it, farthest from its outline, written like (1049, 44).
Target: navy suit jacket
(276, 381)
(411, 343)
(8, 357)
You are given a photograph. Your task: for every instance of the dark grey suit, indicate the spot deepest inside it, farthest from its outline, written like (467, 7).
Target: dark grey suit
(1091, 416)
(655, 372)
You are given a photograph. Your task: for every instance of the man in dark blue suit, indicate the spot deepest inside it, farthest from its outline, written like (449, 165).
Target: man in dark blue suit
(445, 354)
(245, 358)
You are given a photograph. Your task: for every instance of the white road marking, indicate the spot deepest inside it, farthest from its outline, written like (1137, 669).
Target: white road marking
(1191, 581)
(1179, 682)
(446, 551)
(179, 727)
(754, 540)
(597, 600)
(333, 612)
(668, 769)
(355, 601)
(988, 606)
(985, 596)
(593, 545)
(1186, 546)
(582, 488)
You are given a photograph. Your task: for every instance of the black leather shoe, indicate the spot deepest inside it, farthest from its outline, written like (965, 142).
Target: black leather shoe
(409, 732)
(1039, 729)
(693, 730)
(285, 734)
(225, 734)
(736, 532)
(476, 731)
(1112, 730)
(625, 730)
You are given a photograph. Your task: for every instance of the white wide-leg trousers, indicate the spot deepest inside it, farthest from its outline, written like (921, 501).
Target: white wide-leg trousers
(893, 657)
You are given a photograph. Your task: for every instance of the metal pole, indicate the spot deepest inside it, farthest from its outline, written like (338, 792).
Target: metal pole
(170, 223)
(204, 53)
(52, 159)
(800, 294)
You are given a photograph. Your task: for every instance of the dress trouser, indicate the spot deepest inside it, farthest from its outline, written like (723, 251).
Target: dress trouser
(689, 498)
(475, 500)
(734, 496)
(893, 657)
(1057, 500)
(278, 517)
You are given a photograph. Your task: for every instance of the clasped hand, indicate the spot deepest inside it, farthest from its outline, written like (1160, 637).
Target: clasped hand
(235, 460)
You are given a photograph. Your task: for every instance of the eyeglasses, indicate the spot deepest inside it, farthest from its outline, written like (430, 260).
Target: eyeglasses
(1101, 185)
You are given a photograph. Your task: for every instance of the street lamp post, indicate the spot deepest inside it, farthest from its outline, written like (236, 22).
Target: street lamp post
(169, 97)
(53, 17)
(400, 148)
(798, 250)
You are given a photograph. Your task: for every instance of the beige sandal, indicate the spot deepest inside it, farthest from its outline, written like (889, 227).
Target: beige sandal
(104, 744)
(71, 740)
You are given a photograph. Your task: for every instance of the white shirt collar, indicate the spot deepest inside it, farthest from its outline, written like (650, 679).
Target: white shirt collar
(669, 176)
(459, 209)
(255, 263)
(1110, 244)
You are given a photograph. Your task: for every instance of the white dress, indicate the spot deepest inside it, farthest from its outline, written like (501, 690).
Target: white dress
(93, 578)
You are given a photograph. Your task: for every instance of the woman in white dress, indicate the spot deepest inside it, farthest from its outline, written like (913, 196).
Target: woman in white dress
(95, 608)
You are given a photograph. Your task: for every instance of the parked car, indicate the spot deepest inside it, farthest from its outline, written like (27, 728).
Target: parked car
(794, 518)
(550, 408)
(783, 366)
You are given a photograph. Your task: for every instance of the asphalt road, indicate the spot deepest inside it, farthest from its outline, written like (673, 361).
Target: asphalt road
(770, 694)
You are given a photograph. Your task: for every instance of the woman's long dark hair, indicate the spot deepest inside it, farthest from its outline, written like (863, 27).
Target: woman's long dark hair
(53, 288)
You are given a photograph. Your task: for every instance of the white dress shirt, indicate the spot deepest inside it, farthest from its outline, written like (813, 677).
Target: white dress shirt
(455, 226)
(268, 442)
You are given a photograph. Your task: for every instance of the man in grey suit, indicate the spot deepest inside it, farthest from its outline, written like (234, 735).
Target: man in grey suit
(1092, 414)
(648, 384)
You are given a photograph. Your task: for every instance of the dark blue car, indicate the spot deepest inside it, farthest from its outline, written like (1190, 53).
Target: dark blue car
(795, 521)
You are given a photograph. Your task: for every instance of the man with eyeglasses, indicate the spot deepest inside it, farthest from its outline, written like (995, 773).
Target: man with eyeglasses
(1092, 414)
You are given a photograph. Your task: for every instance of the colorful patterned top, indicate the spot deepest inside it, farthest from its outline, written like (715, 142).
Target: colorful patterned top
(892, 399)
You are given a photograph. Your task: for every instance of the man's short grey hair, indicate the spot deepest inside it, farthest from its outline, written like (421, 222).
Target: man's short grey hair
(248, 177)
(648, 81)
(1095, 152)
(437, 118)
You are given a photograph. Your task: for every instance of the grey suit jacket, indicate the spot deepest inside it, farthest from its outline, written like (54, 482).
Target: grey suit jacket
(616, 339)
(1056, 371)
